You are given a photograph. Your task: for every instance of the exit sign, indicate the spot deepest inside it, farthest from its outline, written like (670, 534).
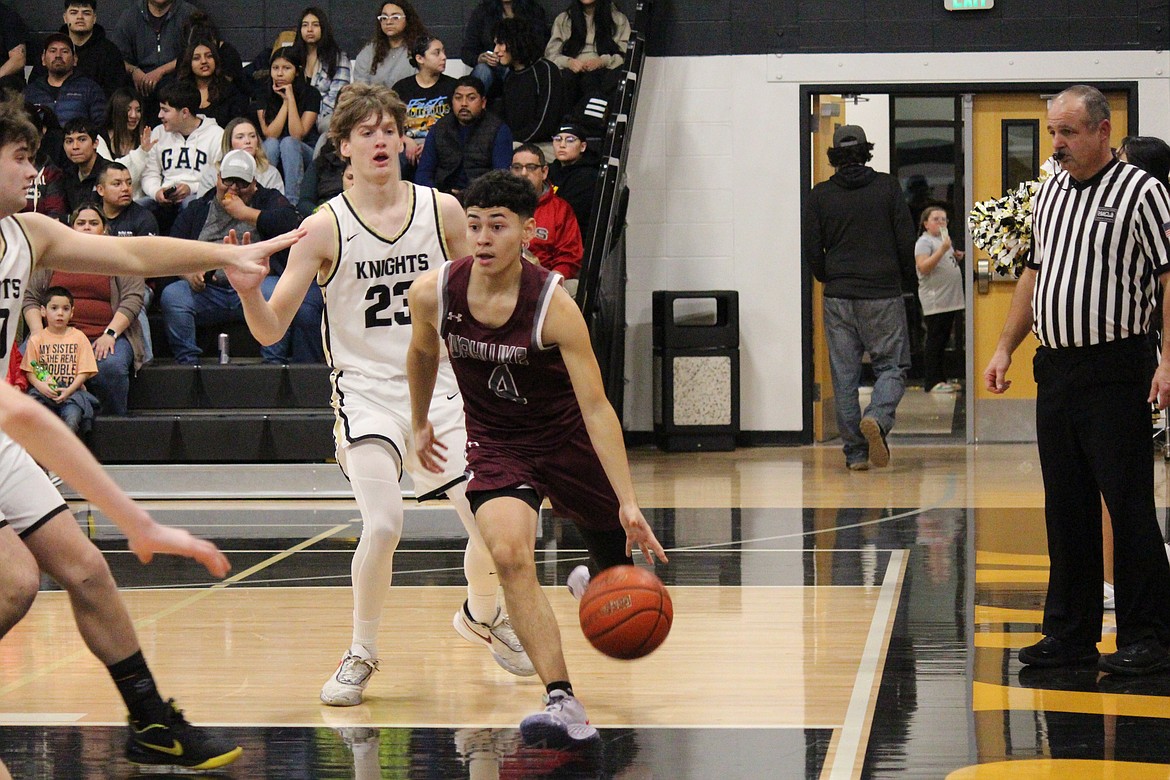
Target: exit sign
(968, 5)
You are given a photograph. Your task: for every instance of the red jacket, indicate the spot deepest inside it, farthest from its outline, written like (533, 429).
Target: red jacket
(557, 243)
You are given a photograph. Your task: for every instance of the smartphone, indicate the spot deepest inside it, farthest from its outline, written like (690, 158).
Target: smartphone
(170, 191)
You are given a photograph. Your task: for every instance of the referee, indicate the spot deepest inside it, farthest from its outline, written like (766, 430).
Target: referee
(1101, 244)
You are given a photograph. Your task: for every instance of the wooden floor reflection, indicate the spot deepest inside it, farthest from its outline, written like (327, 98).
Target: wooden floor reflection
(829, 624)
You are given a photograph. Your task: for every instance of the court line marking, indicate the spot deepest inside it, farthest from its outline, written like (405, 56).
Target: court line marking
(438, 726)
(197, 596)
(846, 759)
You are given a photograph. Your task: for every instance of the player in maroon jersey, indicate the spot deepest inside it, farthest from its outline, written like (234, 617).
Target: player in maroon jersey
(538, 423)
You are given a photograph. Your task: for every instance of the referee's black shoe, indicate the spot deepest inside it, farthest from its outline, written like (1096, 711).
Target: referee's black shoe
(1050, 653)
(177, 743)
(1145, 656)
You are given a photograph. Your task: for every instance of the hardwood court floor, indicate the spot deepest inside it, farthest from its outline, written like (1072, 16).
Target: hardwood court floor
(829, 624)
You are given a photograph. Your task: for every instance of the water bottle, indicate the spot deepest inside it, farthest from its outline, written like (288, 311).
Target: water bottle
(42, 373)
(224, 355)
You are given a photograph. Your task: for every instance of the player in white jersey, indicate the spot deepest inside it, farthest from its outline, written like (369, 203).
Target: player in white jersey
(364, 248)
(37, 531)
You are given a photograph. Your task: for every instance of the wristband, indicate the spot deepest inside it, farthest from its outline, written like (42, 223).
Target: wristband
(111, 333)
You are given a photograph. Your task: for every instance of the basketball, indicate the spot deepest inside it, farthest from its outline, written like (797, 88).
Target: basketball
(626, 612)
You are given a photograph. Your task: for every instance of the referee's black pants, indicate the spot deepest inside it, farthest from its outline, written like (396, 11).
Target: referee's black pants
(1093, 431)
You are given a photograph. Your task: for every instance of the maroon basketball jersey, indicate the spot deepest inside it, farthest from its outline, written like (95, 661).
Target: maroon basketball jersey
(515, 388)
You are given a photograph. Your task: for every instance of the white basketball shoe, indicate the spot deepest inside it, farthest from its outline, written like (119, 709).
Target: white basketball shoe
(498, 637)
(578, 581)
(345, 687)
(561, 724)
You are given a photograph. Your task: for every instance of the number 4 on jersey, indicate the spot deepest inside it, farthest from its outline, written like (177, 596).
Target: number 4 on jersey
(504, 386)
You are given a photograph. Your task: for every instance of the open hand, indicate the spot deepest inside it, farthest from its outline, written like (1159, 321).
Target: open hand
(175, 541)
(638, 532)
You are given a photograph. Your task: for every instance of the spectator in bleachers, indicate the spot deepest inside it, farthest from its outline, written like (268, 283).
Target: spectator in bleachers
(186, 143)
(200, 27)
(288, 119)
(588, 43)
(241, 133)
(59, 361)
(124, 217)
(149, 35)
(125, 130)
(13, 35)
(219, 98)
(532, 100)
(386, 58)
(128, 136)
(84, 164)
(468, 142)
(557, 244)
(241, 204)
(97, 56)
(323, 179)
(47, 193)
(427, 94)
(574, 172)
(479, 42)
(60, 88)
(327, 68)
(105, 310)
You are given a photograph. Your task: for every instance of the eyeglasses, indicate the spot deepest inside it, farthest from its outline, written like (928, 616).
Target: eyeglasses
(565, 139)
(391, 17)
(521, 167)
(236, 184)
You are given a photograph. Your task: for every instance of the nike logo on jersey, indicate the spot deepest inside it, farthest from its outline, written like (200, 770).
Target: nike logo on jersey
(351, 238)
(453, 396)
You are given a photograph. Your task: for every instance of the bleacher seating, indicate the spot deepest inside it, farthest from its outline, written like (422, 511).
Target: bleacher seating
(233, 413)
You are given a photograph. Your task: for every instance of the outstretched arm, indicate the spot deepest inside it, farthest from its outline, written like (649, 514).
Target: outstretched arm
(50, 442)
(565, 327)
(422, 366)
(269, 319)
(57, 246)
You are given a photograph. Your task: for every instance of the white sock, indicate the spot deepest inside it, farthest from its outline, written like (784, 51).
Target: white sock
(483, 585)
(373, 472)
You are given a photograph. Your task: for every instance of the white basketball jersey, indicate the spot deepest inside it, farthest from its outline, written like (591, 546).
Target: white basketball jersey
(15, 267)
(366, 327)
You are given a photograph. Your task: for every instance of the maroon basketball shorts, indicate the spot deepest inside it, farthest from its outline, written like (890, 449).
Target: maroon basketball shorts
(568, 474)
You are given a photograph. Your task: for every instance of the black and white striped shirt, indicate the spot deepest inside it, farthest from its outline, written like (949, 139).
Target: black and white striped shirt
(1098, 247)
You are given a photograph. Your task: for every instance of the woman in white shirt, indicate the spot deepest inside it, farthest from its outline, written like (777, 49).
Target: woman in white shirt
(241, 134)
(940, 290)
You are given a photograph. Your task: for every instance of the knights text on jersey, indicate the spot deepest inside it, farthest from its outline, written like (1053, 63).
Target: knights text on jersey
(366, 327)
(16, 265)
(515, 388)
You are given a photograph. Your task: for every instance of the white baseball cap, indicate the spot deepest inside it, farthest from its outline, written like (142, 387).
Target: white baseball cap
(238, 164)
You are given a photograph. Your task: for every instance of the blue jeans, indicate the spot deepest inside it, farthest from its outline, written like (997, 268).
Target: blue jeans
(184, 309)
(291, 156)
(302, 343)
(489, 74)
(112, 383)
(852, 328)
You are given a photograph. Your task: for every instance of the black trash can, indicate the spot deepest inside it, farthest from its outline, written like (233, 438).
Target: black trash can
(696, 370)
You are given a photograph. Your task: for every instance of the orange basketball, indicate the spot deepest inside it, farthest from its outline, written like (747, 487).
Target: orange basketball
(626, 612)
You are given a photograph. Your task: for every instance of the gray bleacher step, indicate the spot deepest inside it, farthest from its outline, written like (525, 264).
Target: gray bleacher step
(230, 386)
(215, 436)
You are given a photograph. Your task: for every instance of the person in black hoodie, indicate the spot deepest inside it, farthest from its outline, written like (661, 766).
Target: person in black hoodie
(97, 56)
(574, 172)
(532, 100)
(858, 240)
